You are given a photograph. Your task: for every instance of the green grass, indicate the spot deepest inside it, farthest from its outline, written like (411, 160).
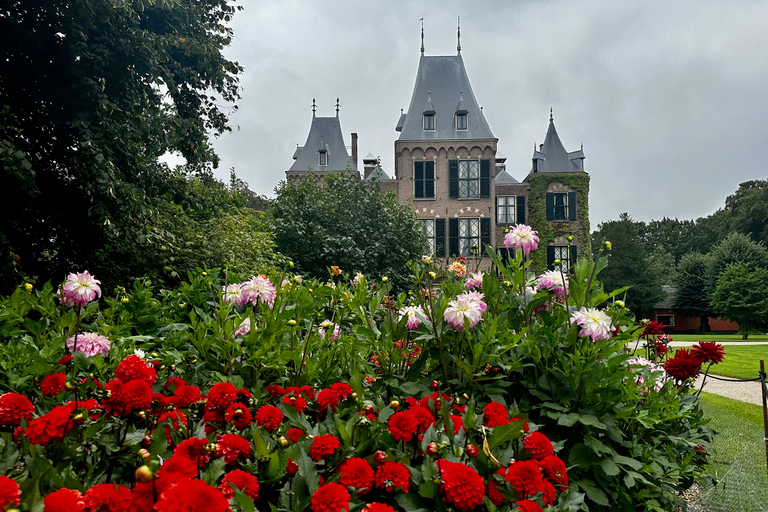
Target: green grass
(718, 337)
(741, 362)
(738, 458)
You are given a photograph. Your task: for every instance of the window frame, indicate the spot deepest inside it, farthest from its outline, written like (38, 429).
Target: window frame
(564, 206)
(467, 242)
(471, 180)
(322, 158)
(671, 319)
(424, 117)
(465, 117)
(508, 208)
(565, 262)
(424, 180)
(431, 237)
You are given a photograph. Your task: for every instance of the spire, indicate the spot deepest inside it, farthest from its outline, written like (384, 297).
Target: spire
(422, 35)
(314, 107)
(337, 107)
(551, 117)
(458, 35)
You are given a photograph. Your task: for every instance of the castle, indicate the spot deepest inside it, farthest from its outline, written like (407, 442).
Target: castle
(449, 171)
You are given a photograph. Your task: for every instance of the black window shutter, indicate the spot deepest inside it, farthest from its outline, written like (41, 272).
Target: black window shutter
(440, 238)
(418, 178)
(520, 210)
(571, 205)
(485, 178)
(485, 234)
(573, 255)
(429, 178)
(550, 257)
(453, 237)
(453, 179)
(550, 207)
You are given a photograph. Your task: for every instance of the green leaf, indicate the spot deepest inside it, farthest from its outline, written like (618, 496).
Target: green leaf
(245, 502)
(214, 472)
(159, 443)
(593, 492)
(308, 470)
(610, 467)
(427, 490)
(626, 461)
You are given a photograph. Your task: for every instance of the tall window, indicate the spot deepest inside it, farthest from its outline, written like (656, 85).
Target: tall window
(560, 211)
(424, 179)
(469, 236)
(461, 121)
(323, 158)
(469, 178)
(505, 210)
(562, 253)
(429, 121)
(428, 225)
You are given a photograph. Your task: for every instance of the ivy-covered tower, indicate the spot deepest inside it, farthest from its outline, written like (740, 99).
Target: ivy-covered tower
(558, 202)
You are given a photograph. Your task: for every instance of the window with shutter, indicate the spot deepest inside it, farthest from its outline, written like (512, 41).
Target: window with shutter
(440, 238)
(424, 179)
(505, 209)
(557, 206)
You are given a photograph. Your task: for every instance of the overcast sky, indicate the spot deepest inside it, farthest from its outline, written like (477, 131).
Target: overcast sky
(669, 98)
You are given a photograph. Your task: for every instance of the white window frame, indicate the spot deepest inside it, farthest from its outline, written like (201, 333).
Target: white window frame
(556, 207)
(429, 228)
(565, 261)
(465, 117)
(509, 209)
(671, 319)
(469, 235)
(471, 188)
(424, 117)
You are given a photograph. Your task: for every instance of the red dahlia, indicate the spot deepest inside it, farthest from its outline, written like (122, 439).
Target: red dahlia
(555, 471)
(192, 448)
(393, 475)
(181, 465)
(424, 418)
(53, 384)
(330, 497)
(661, 348)
(275, 390)
(51, 427)
(683, 366)
(549, 493)
(538, 444)
(176, 418)
(294, 434)
(243, 481)
(9, 492)
(356, 473)
(342, 389)
(132, 368)
(527, 506)
(378, 507)
(232, 446)
(458, 422)
(107, 498)
(462, 487)
(709, 352)
(495, 414)
(64, 500)
(13, 407)
(239, 415)
(175, 383)
(136, 395)
(297, 402)
(494, 495)
(322, 446)
(327, 398)
(221, 396)
(525, 477)
(402, 425)
(186, 396)
(653, 329)
(269, 417)
(192, 496)
(66, 359)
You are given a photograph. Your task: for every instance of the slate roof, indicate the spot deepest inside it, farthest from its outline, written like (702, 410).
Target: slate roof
(553, 157)
(504, 178)
(442, 86)
(324, 133)
(378, 174)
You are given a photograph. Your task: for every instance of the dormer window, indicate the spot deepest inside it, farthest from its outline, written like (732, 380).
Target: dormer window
(461, 120)
(323, 157)
(429, 121)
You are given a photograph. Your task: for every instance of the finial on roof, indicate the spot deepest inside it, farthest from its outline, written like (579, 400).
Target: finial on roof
(337, 107)
(551, 117)
(582, 145)
(458, 35)
(314, 106)
(534, 146)
(422, 35)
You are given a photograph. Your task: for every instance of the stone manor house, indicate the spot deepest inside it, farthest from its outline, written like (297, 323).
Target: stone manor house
(449, 171)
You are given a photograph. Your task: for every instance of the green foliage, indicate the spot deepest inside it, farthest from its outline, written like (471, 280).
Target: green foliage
(92, 93)
(735, 248)
(748, 210)
(679, 237)
(661, 265)
(741, 295)
(347, 223)
(547, 231)
(691, 290)
(629, 265)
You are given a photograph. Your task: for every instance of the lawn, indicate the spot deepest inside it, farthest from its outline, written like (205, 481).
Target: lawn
(738, 461)
(741, 362)
(718, 337)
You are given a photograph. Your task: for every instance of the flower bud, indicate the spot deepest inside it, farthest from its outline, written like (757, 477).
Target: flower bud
(291, 468)
(28, 287)
(283, 441)
(607, 245)
(432, 449)
(394, 404)
(432, 275)
(354, 396)
(144, 454)
(290, 264)
(557, 262)
(142, 415)
(210, 447)
(465, 396)
(379, 457)
(125, 300)
(146, 441)
(569, 238)
(620, 303)
(291, 322)
(144, 474)
(69, 386)
(205, 273)
(384, 279)
(472, 450)
(435, 384)
(78, 418)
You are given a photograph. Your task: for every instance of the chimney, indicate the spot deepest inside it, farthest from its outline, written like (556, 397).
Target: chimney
(354, 149)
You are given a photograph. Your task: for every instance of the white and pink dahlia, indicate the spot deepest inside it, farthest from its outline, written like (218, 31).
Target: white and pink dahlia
(244, 328)
(90, 344)
(80, 289)
(553, 281)
(594, 323)
(326, 327)
(233, 294)
(414, 315)
(259, 289)
(521, 237)
(475, 280)
(466, 305)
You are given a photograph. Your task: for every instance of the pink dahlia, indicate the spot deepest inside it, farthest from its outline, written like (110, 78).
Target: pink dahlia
(522, 237)
(475, 280)
(414, 314)
(90, 344)
(245, 328)
(259, 289)
(326, 326)
(594, 323)
(80, 289)
(464, 306)
(233, 294)
(553, 281)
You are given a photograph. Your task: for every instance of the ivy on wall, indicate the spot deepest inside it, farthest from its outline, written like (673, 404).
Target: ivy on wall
(547, 231)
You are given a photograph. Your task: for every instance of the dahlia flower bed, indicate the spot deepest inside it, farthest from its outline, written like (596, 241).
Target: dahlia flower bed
(471, 390)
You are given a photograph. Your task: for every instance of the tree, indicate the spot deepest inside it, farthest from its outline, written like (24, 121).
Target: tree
(748, 208)
(628, 264)
(92, 93)
(735, 248)
(691, 297)
(347, 223)
(741, 295)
